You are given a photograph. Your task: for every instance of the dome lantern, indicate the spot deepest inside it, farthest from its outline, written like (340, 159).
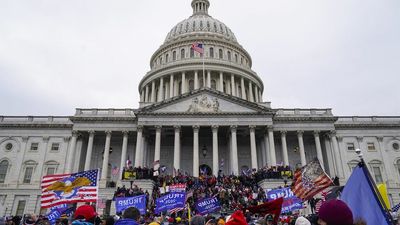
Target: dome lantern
(200, 7)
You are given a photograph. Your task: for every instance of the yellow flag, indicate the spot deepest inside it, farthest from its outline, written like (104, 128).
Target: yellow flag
(383, 191)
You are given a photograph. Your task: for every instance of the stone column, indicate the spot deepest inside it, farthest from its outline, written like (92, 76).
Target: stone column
(171, 86)
(221, 81)
(301, 147)
(106, 155)
(256, 93)
(144, 153)
(71, 152)
(123, 154)
(215, 150)
(196, 80)
(89, 150)
(138, 146)
(233, 85)
(318, 148)
(260, 96)
(284, 149)
(157, 147)
(153, 91)
(336, 153)
(196, 151)
(243, 88)
(251, 96)
(146, 97)
(271, 146)
(234, 158)
(177, 148)
(183, 82)
(209, 79)
(253, 148)
(161, 90)
(142, 96)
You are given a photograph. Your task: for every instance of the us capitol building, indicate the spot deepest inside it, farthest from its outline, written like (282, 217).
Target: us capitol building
(187, 118)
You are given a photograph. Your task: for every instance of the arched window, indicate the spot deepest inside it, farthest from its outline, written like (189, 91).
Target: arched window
(191, 53)
(166, 58)
(191, 85)
(182, 53)
(241, 61)
(3, 170)
(376, 168)
(50, 168)
(224, 88)
(174, 55)
(29, 167)
(213, 84)
(352, 164)
(211, 52)
(229, 56)
(236, 58)
(239, 92)
(160, 60)
(220, 54)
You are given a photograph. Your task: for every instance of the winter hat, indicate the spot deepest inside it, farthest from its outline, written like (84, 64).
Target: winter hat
(237, 218)
(302, 221)
(197, 220)
(335, 212)
(86, 211)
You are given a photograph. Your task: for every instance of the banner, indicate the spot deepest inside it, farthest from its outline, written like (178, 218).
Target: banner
(56, 212)
(290, 201)
(208, 205)
(170, 201)
(177, 188)
(138, 202)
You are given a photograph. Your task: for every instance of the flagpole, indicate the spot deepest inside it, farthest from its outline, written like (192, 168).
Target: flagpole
(373, 184)
(204, 85)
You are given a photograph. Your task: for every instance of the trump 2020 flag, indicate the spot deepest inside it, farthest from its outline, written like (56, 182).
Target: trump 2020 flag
(362, 199)
(69, 188)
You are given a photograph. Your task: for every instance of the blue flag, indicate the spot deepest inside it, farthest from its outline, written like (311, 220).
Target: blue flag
(208, 205)
(172, 200)
(290, 201)
(138, 202)
(360, 196)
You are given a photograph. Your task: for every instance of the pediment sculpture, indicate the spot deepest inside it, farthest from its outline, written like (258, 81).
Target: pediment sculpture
(203, 104)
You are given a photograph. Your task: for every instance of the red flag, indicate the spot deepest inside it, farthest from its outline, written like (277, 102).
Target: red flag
(273, 207)
(310, 180)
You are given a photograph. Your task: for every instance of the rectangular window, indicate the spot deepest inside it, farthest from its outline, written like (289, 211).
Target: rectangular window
(34, 146)
(350, 146)
(28, 175)
(55, 146)
(20, 208)
(51, 171)
(371, 146)
(378, 174)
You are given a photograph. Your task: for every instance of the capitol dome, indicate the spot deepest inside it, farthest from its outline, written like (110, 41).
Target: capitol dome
(176, 68)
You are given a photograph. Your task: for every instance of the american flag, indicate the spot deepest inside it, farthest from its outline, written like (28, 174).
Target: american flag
(310, 180)
(175, 210)
(322, 200)
(115, 171)
(396, 208)
(69, 188)
(221, 164)
(198, 47)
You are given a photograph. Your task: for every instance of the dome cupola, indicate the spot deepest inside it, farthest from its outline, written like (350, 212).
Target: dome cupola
(200, 7)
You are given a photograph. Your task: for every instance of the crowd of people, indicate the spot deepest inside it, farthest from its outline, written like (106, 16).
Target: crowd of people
(332, 212)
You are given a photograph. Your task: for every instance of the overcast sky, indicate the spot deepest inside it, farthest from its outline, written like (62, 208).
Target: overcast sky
(58, 55)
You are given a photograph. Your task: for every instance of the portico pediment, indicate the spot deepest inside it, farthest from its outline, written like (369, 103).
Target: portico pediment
(205, 102)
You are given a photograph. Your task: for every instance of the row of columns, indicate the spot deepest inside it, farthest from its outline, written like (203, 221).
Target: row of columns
(139, 153)
(148, 94)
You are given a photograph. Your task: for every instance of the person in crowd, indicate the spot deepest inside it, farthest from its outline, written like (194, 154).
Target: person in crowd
(130, 216)
(335, 212)
(84, 215)
(302, 221)
(198, 220)
(269, 219)
(237, 218)
(108, 220)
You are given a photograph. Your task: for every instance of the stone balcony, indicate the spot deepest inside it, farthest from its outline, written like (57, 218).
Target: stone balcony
(35, 121)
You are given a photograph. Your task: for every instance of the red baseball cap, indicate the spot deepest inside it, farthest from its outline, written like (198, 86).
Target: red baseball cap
(86, 211)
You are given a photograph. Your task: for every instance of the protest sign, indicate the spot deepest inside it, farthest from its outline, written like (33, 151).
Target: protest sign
(138, 202)
(170, 201)
(290, 201)
(208, 205)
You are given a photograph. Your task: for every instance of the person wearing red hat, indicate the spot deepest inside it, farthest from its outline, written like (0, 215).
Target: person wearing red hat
(84, 215)
(237, 218)
(335, 212)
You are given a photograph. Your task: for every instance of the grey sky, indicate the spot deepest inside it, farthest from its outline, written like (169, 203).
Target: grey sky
(57, 55)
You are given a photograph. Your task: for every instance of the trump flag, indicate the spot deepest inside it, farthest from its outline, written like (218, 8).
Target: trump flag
(69, 188)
